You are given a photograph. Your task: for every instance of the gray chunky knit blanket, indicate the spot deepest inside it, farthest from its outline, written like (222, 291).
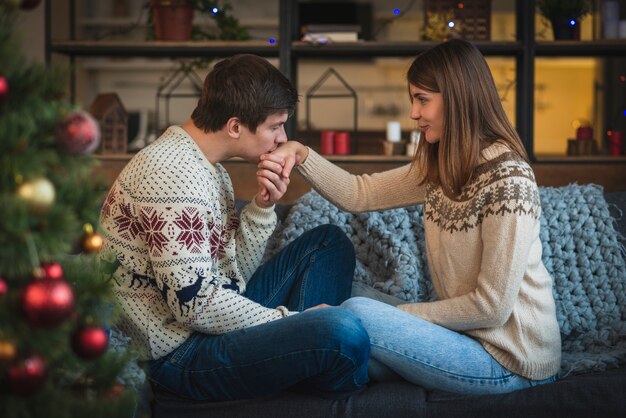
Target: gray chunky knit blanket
(581, 250)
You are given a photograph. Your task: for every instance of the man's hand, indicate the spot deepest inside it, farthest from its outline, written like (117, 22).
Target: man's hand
(275, 169)
(321, 305)
(272, 187)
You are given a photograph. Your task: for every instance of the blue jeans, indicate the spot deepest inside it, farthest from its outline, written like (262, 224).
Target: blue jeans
(430, 355)
(323, 351)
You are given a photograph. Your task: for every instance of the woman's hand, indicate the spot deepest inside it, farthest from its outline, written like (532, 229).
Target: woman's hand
(284, 158)
(274, 170)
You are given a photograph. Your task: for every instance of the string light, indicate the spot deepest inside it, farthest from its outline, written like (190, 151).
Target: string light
(572, 22)
(272, 41)
(215, 10)
(451, 24)
(396, 11)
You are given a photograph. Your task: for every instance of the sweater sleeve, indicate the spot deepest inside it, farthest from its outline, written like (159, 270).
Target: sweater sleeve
(360, 193)
(255, 228)
(507, 239)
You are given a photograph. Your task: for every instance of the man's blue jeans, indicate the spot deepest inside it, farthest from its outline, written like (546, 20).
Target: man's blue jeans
(323, 351)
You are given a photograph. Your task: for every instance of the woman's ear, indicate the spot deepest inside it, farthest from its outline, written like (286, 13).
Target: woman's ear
(233, 127)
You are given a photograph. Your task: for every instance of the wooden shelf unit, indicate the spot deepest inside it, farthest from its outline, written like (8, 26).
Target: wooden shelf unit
(291, 53)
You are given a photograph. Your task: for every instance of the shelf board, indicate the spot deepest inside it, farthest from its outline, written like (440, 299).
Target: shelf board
(392, 49)
(220, 48)
(601, 48)
(583, 159)
(163, 48)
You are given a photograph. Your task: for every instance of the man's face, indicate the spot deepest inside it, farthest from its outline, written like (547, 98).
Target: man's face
(267, 137)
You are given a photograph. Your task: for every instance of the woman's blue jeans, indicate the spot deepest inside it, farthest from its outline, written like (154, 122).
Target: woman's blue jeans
(323, 351)
(430, 355)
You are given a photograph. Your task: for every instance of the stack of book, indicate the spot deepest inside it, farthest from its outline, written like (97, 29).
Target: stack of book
(328, 33)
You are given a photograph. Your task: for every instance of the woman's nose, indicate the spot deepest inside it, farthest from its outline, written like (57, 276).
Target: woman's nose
(415, 113)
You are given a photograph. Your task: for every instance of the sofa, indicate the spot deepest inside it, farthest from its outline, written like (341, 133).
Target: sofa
(592, 384)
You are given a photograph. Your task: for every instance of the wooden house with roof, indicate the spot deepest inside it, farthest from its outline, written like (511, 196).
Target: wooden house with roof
(108, 110)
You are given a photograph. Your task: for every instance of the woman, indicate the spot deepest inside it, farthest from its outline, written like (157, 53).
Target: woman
(493, 327)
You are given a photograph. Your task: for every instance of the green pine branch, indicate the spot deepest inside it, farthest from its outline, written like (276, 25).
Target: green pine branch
(29, 116)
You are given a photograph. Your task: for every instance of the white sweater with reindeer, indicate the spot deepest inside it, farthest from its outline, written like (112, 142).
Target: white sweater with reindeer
(179, 254)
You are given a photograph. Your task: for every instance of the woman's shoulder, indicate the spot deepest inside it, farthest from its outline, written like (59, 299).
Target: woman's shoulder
(500, 161)
(504, 173)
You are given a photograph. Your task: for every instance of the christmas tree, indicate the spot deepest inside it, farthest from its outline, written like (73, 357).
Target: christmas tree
(56, 304)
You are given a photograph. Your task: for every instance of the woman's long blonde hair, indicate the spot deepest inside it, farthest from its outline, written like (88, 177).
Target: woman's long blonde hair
(473, 114)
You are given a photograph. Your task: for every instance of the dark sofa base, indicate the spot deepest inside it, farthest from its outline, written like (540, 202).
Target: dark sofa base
(588, 395)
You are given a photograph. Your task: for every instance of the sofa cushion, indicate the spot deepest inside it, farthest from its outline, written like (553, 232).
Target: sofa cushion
(617, 208)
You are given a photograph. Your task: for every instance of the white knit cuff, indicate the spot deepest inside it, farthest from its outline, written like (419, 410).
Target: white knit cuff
(283, 310)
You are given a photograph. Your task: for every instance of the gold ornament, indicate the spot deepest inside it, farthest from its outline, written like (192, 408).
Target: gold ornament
(7, 351)
(91, 242)
(38, 194)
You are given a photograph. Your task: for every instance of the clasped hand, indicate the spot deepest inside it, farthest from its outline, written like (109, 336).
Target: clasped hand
(273, 173)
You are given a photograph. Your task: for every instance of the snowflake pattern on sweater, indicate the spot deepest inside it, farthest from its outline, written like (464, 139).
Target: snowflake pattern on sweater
(181, 255)
(503, 186)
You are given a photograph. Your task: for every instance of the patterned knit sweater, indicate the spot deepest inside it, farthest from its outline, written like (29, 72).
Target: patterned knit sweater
(483, 251)
(182, 257)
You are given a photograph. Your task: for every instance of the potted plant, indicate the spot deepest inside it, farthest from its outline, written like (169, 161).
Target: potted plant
(173, 20)
(564, 15)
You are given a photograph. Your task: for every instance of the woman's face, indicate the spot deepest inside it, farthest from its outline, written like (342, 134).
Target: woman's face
(427, 110)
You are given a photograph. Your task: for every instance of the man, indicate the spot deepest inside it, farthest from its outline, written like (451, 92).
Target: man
(216, 324)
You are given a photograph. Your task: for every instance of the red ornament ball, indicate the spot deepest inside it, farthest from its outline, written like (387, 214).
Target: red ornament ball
(52, 270)
(90, 342)
(4, 287)
(46, 303)
(27, 376)
(78, 133)
(4, 88)
(29, 4)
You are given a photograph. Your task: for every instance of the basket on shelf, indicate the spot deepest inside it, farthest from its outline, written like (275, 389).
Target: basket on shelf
(472, 19)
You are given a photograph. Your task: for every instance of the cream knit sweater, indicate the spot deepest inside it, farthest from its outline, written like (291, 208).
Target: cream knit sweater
(483, 251)
(182, 256)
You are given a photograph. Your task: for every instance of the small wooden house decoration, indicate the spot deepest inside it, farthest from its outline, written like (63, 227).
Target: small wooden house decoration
(108, 110)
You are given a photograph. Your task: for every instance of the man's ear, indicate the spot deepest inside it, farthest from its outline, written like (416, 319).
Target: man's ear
(233, 127)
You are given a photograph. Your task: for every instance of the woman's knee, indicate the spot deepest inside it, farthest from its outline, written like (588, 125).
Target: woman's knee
(359, 305)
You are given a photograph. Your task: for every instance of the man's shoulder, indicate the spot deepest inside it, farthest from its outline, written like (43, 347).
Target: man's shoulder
(164, 157)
